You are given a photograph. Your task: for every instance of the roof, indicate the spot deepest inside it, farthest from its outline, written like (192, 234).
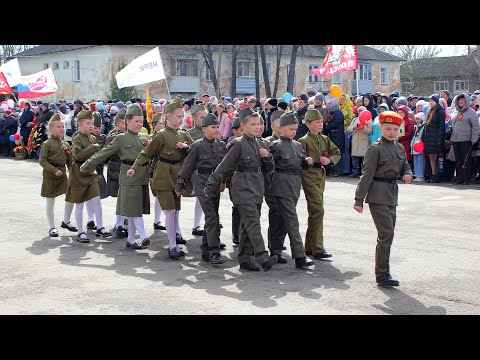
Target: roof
(443, 66)
(364, 52)
(46, 49)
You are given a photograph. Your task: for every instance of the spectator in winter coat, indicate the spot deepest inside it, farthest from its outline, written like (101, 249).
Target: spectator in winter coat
(434, 135)
(368, 103)
(446, 95)
(26, 122)
(344, 102)
(335, 131)
(376, 133)
(300, 115)
(408, 132)
(465, 133)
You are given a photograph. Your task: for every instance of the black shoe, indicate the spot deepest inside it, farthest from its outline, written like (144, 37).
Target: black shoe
(175, 253)
(180, 240)
(133, 246)
(83, 239)
(435, 179)
(197, 232)
(323, 255)
(222, 246)
(68, 226)
(206, 257)
(119, 231)
(220, 224)
(249, 265)
(157, 226)
(308, 253)
(104, 234)
(284, 248)
(53, 232)
(236, 239)
(387, 280)
(269, 262)
(281, 259)
(145, 243)
(216, 259)
(303, 262)
(91, 225)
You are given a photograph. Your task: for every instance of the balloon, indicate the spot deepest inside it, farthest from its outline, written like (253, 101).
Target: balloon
(335, 90)
(21, 102)
(425, 109)
(12, 139)
(419, 146)
(351, 105)
(17, 142)
(287, 97)
(16, 137)
(364, 116)
(189, 120)
(4, 106)
(230, 115)
(10, 103)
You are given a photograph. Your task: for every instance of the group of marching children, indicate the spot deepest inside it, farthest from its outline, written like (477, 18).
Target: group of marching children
(251, 167)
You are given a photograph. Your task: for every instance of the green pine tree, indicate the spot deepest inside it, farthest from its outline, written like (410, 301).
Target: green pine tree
(123, 94)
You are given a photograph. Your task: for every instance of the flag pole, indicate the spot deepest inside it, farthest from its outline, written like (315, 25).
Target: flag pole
(168, 90)
(358, 88)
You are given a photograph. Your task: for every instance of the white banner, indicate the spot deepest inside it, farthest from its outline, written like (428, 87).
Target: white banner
(142, 70)
(11, 70)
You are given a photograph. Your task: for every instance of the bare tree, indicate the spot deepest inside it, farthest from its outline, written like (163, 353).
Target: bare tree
(277, 71)
(257, 73)
(291, 72)
(265, 72)
(7, 51)
(206, 51)
(233, 89)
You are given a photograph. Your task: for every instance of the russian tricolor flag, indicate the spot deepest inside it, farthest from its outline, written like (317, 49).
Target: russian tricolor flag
(37, 85)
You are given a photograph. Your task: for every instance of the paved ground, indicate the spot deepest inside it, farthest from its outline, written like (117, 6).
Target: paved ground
(435, 256)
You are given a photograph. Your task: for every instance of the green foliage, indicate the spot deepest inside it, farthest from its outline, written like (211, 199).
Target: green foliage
(123, 94)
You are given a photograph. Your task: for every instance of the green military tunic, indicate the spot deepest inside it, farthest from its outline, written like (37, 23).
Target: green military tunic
(313, 183)
(383, 163)
(269, 139)
(82, 186)
(113, 167)
(152, 165)
(168, 166)
(289, 158)
(102, 184)
(133, 197)
(55, 154)
(195, 133)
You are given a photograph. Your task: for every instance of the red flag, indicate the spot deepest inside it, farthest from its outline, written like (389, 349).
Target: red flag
(4, 87)
(339, 58)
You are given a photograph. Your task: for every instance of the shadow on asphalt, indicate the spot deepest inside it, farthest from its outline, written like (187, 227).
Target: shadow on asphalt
(260, 288)
(400, 303)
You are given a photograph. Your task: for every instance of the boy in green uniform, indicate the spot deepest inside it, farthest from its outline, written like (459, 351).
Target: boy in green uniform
(385, 161)
(324, 153)
(248, 158)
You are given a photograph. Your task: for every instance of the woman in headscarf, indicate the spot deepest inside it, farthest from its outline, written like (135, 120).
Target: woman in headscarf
(409, 127)
(368, 103)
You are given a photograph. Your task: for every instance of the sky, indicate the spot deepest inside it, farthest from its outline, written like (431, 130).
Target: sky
(452, 50)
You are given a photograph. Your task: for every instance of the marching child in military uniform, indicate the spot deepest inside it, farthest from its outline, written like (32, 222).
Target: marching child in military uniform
(133, 197)
(171, 145)
(113, 171)
(285, 185)
(249, 158)
(236, 217)
(83, 186)
(324, 153)
(198, 113)
(385, 161)
(204, 156)
(157, 123)
(55, 157)
(102, 185)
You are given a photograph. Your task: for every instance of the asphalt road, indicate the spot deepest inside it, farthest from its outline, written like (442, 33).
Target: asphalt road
(435, 256)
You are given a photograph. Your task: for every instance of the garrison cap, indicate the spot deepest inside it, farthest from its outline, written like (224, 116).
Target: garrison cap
(276, 115)
(55, 117)
(210, 119)
(157, 117)
(196, 108)
(97, 119)
(85, 114)
(134, 110)
(288, 119)
(175, 104)
(242, 114)
(313, 115)
(235, 122)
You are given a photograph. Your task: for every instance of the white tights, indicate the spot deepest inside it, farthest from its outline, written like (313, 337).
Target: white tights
(50, 212)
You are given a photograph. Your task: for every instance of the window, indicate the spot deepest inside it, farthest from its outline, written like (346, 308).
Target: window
(45, 66)
(187, 67)
(269, 71)
(66, 65)
(438, 86)
(55, 66)
(384, 76)
(337, 78)
(76, 70)
(208, 74)
(460, 86)
(243, 68)
(365, 71)
(311, 77)
(407, 88)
